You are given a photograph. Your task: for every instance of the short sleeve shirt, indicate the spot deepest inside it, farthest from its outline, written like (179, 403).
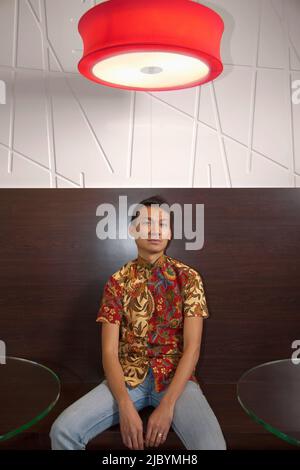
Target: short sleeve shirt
(150, 301)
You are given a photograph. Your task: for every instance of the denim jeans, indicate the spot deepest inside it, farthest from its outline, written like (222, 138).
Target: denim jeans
(193, 419)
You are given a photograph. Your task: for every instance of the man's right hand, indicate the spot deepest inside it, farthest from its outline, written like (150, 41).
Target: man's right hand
(131, 426)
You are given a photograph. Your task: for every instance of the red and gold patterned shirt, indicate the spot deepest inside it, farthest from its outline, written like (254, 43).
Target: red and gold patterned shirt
(149, 301)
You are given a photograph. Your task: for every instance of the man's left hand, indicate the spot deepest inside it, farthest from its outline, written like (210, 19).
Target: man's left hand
(159, 422)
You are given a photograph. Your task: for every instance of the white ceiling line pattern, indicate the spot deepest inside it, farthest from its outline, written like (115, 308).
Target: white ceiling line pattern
(48, 98)
(14, 65)
(195, 134)
(131, 133)
(47, 44)
(288, 87)
(220, 132)
(253, 92)
(58, 130)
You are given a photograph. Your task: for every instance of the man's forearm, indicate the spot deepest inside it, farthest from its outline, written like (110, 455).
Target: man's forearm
(184, 370)
(115, 378)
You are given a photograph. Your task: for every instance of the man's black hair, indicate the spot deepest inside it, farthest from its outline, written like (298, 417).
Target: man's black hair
(158, 200)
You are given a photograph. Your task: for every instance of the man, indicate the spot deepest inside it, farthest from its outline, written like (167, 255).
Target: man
(152, 313)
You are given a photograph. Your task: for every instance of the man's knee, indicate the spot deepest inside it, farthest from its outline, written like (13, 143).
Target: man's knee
(221, 444)
(61, 428)
(57, 429)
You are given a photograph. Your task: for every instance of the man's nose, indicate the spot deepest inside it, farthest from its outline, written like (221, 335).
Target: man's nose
(155, 230)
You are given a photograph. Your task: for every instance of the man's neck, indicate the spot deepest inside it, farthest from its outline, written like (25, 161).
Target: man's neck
(150, 257)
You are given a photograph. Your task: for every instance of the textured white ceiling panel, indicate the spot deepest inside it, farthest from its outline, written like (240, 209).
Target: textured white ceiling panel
(271, 46)
(233, 96)
(58, 129)
(29, 44)
(262, 171)
(271, 134)
(211, 168)
(293, 30)
(64, 41)
(296, 126)
(8, 28)
(23, 172)
(5, 116)
(30, 115)
(172, 137)
(240, 38)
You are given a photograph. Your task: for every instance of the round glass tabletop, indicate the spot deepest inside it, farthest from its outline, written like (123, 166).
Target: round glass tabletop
(28, 392)
(270, 394)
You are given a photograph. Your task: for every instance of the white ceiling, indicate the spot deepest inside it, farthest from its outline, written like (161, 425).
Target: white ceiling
(58, 129)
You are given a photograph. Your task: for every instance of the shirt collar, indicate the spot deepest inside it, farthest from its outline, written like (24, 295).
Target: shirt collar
(142, 262)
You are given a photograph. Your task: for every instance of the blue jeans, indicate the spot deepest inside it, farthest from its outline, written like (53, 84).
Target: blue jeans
(193, 420)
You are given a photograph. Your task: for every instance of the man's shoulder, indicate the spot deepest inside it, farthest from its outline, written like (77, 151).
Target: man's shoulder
(123, 272)
(181, 267)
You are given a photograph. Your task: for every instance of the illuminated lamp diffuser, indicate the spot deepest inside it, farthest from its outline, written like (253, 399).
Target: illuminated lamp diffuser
(151, 45)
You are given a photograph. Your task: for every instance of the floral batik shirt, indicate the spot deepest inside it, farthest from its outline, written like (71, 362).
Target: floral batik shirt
(150, 301)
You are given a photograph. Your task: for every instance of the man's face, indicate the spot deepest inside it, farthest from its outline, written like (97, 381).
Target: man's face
(151, 229)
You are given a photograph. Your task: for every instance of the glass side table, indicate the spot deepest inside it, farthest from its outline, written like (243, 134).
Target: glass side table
(28, 392)
(270, 394)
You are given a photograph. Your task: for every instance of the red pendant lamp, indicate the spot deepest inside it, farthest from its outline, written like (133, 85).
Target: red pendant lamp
(151, 45)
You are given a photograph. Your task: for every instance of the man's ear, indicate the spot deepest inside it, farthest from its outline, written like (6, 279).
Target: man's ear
(130, 229)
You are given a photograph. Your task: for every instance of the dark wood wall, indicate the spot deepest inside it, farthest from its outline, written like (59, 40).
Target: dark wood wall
(53, 269)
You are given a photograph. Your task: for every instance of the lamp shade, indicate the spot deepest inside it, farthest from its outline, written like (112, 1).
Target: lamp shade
(153, 45)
